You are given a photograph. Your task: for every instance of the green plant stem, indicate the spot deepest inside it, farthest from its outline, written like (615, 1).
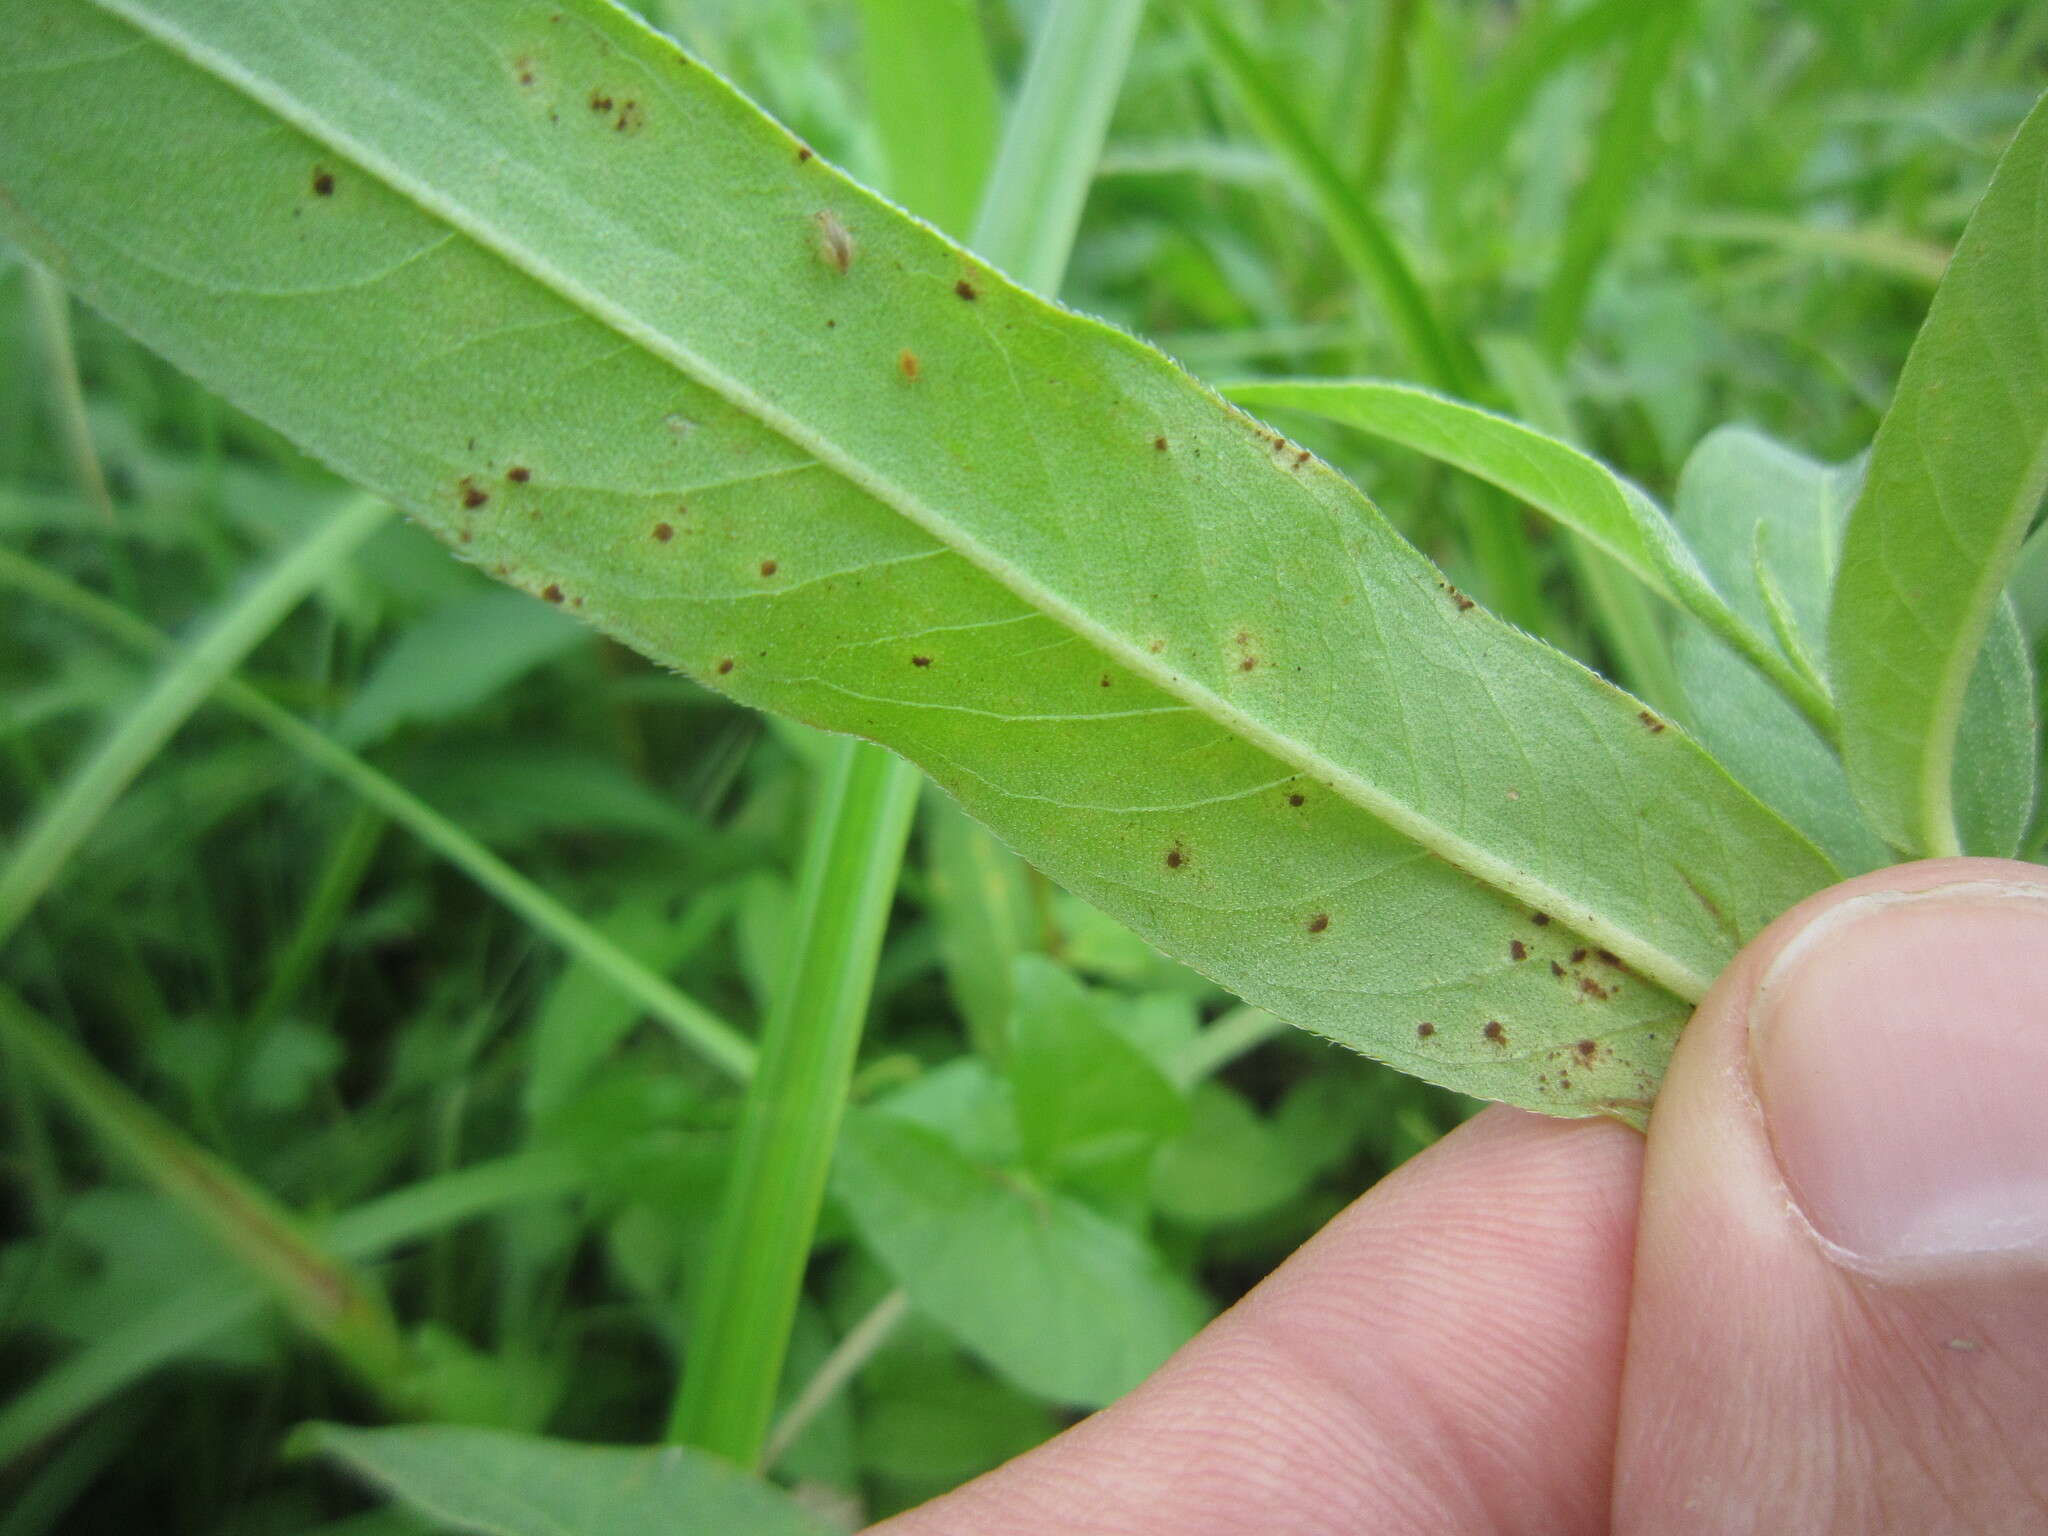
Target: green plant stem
(320, 1290)
(124, 1353)
(341, 875)
(748, 1295)
(195, 672)
(51, 305)
(1243, 1029)
(746, 1304)
(1621, 155)
(1032, 205)
(839, 1367)
(1387, 93)
(697, 1027)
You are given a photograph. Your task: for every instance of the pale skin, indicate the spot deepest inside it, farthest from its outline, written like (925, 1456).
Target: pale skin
(1565, 1327)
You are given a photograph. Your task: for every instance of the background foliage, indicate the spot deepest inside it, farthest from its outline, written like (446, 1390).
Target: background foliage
(330, 985)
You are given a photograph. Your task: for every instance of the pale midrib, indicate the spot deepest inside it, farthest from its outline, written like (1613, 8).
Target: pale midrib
(1666, 969)
(1938, 765)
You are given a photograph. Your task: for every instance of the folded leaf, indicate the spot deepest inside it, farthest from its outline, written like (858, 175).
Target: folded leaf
(615, 335)
(1956, 476)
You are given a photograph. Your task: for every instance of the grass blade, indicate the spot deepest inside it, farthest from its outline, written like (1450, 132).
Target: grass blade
(320, 1290)
(1621, 156)
(933, 95)
(39, 857)
(696, 1026)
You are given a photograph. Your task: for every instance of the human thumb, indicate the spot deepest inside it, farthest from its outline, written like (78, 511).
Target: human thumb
(1839, 1320)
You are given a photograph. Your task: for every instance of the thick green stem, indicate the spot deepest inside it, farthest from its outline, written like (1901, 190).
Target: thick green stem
(747, 1298)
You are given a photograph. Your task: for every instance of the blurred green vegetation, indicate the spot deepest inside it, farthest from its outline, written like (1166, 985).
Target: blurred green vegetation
(1640, 228)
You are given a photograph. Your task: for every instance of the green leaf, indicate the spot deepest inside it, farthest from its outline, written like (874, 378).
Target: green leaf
(1060, 1300)
(1747, 504)
(1956, 477)
(452, 660)
(1230, 1166)
(1087, 1099)
(500, 1484)
(982, 906)
(496, 265)
(1998, 743)
(1551, 476)
(937, 143)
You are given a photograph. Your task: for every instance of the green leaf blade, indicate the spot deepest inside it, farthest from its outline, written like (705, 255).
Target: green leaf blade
(1956, 476)
(499, 1484)
(1124, 625)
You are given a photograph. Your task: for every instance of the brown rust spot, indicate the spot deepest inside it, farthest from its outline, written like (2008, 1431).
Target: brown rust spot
(1175, 858)
(1556, 969)
(1540, 919)
(920, 661)
(473, 495)
(724, 665)
(906, 360)
(803, 153)
(1319, 922)
(323, 182)
(1578, 956)
(768, 567)
(1105, 680)
(966, 290)
(551, 592)
(1517, 950)
(1609, 958)
(1296, 799)
(1655, 725)
(1587, 1050)
(1248, 663)
(1424, 1030)
(1496, 1032)
(519, 474)
(1592, 989)
(1159, 444)
(663, 532)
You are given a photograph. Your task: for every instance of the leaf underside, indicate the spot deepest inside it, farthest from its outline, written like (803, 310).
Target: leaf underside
(617, 337)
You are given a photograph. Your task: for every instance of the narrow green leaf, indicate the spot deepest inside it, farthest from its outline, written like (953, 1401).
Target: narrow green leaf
(1955, 479)
(1745, 504)
(1361, 236)
(452, 660)
(1554, 478)
(932, 94)
(692, 1023)
(499, 1484)
(1622, 155)
(863, 480)
(321, 1291)
(1060, 1300)
(196, 671)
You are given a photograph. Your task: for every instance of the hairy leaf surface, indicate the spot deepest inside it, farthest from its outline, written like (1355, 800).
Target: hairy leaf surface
(1956, 477)
(618, 337)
